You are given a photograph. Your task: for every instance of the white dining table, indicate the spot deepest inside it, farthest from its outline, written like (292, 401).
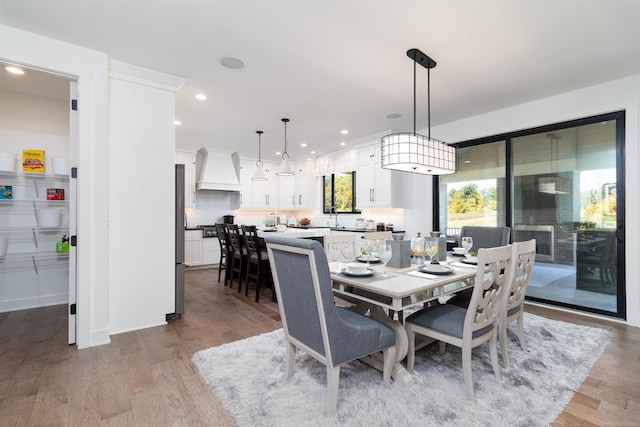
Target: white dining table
(406, 288)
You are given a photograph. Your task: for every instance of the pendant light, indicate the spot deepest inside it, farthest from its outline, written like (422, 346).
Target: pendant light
(412, 152)
(259, 175)
(554, 184)
(285, 166)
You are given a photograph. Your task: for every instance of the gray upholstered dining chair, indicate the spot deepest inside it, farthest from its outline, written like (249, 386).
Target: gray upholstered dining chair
(468, 327)
(312, 323)
(523, 257)
(486, 237)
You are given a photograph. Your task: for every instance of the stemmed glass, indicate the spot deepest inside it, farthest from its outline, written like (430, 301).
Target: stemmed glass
(432, 250)
(385, 254)
(367, 249)
(467, 244)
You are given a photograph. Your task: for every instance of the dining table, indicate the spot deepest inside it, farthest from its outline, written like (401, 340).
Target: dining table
(405, 289)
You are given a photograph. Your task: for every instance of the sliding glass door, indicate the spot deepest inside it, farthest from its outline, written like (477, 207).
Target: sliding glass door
(562, 185)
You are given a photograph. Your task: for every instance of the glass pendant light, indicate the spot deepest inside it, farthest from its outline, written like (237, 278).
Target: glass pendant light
(259, 175)
(285, 167)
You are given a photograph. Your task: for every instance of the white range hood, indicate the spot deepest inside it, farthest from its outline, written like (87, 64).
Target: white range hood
(216, 171)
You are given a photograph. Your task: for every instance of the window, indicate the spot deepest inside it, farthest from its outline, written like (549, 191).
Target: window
(562, 185)
(339, 192)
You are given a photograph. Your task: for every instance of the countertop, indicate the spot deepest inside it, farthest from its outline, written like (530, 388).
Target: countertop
(297, 232)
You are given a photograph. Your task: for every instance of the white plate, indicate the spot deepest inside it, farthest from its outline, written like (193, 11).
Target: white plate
(368, 258)
(368, 272)
(470, 260)
(435, 269)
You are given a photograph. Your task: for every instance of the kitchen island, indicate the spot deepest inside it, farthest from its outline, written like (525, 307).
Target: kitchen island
(300, 233)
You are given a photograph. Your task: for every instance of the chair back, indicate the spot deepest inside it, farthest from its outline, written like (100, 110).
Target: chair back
(494, 268)
(486, 237)
(305, 298)
(235, 239)
(223, 237)
(340, 247)
(251, 240)
(523, 257)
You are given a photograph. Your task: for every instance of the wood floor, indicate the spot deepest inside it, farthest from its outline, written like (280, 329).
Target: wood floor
(146, 377)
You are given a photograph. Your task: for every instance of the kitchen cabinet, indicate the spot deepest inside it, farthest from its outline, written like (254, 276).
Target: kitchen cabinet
(374, 184)
(257, 194)
(193, 247)
(287, 192)
(265, 193)
(305, 184)
(189, 160)
(298, 191)
(210, 251)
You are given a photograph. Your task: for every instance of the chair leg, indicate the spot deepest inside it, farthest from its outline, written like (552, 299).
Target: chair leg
(466, 370)
(442, 346)
(291, 360)
(333, 378)
(389, 355)
(523, 343)
(493, 350)
(503, 343)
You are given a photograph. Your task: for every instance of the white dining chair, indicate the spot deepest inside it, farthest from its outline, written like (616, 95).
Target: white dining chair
(469, 327)
(523, 257)
(340, 247)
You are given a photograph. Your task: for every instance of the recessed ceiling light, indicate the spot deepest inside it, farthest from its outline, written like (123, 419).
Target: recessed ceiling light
(304, 144)
(467, 161)
(201, 97)
(232, 62)
(14, 70)
(312, 152)
(393, 116)
(177, 122)
(344, 132)
(278, 153)
(343, 143)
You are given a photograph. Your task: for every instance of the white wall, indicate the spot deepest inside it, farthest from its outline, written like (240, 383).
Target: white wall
(141, 197)
(90, 69)
(623, 94)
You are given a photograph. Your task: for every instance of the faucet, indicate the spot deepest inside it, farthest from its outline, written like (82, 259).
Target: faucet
(331, 212)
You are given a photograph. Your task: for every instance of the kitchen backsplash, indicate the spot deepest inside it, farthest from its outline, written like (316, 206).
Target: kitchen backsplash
(213, 205)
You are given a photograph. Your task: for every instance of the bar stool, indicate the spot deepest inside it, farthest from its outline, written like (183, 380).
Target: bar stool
(258, 267)
(225, 251)
(238, 256)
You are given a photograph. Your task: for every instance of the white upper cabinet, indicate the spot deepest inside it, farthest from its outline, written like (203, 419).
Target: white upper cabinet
(257, 194)
(188, 159)
(373, 184)
(305, 185)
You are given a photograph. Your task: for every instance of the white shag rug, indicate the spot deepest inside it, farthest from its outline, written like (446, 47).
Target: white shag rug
(248, 378)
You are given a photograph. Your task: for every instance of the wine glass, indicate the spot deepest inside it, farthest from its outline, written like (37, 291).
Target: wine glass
(367, 249)
(431, 248)
(385, 254)
(467, 243)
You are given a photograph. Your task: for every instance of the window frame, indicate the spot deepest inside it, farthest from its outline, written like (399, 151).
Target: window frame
(326, 207)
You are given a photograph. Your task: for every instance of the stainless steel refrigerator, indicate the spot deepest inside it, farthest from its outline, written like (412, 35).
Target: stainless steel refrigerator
(179, 231)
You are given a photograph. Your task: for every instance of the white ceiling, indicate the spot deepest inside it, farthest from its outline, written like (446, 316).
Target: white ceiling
(330, 65)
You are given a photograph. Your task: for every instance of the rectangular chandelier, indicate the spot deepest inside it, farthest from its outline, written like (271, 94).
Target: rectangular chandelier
(554, 185)
(412, 152)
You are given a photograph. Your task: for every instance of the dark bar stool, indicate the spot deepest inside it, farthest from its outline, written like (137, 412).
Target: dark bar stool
(258, 267)
(238, 256)
(225, 251)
